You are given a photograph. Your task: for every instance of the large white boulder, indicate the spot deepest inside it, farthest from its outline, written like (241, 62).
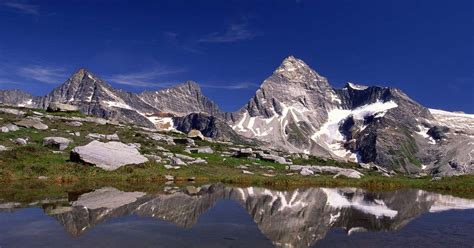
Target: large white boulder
(108, 156)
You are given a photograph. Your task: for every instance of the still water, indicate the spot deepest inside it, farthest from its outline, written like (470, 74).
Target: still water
(223, 216)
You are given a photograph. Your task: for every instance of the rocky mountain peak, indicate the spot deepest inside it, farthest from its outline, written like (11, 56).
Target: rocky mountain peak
(291, 63)
(181, 100)
(83, 75)
(296, 70)
(190, 85)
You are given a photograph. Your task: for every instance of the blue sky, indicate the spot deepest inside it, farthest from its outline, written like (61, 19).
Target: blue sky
(424, 47)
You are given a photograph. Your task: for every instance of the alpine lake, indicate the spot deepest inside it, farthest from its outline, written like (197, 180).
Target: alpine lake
(40, 214)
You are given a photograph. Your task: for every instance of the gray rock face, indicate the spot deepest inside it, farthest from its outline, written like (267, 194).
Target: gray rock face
(59, 143)
(17, 98)
(451, 144)
(181, 100)
(209, 126)
(108, 156)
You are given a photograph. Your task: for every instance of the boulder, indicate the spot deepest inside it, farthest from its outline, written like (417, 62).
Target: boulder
(62, 107)
(184, 157)
(169, 178)
(244, 152)
(74, 123)
(103, 136)
(177, 162)
(198, 161)
(9, 128)
(196, 135)
(12, 111)
(108, 156)
(169, 167)
(203, 149)
(3, 148)
(20, 141)
(306, 172)
(32, 123)
(273, 158)
(247, 172)
(59, 143)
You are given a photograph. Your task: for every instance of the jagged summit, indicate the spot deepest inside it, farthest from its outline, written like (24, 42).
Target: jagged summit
(190, 85)
(296, 70)
(181, 100)
(291, 63)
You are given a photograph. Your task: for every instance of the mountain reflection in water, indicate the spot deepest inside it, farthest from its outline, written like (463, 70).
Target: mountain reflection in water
(298, 218)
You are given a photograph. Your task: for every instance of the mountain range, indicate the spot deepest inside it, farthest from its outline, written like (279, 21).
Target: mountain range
(294, 110)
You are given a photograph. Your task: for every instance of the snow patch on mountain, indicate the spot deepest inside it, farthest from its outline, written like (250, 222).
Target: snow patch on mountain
(162, 123)
(118, 105)
(259, 126)
(454, 120)
(329, 134)
(424, 133)
(357, 86)
(27, 103)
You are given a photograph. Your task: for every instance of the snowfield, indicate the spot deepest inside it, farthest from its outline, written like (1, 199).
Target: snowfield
(329, 134)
